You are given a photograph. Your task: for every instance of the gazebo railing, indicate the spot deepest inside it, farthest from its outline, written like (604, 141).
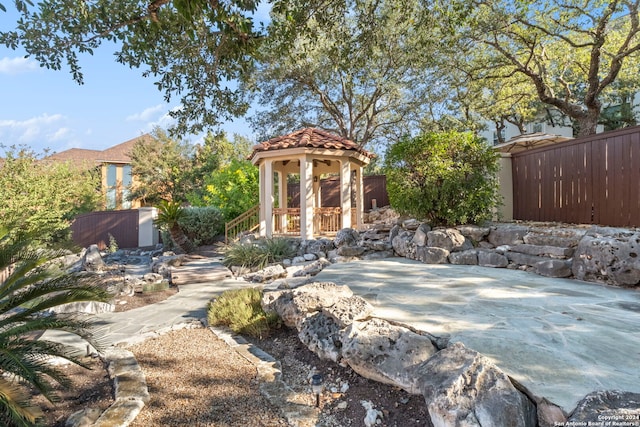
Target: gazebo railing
(248, 221)
(286, 221)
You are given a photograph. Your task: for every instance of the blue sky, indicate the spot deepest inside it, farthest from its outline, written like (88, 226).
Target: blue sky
(43, 108)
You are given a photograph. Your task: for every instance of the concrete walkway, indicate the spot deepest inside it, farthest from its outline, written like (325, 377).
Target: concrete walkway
(190, 304)
(560, 338)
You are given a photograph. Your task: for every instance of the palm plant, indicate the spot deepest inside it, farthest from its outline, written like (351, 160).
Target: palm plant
(30, 286)
(169, 213)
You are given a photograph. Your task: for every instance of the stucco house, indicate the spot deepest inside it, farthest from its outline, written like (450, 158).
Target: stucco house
(114, 164)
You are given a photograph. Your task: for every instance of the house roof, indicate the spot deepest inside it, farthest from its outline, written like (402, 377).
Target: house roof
(78, 156)
(310, 138)
(116, 154)
(120, 153)
(529, 140)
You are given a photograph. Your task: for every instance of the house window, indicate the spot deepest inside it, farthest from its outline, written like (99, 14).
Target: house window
(497, 140)
(126, 186)
(112, 183)
(537, 127)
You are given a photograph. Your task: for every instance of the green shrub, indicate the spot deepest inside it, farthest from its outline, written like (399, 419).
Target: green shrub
(234, 188)
(241, 311)
(257, 254)
(444, 178)
(202, 225)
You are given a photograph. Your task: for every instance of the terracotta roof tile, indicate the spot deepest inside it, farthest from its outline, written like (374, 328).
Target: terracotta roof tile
(310, 138)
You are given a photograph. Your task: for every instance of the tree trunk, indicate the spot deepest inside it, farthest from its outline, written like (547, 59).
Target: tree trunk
(588, 123)
(181, 240)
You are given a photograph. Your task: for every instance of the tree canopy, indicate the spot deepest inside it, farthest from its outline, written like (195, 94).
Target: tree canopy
(364, 69)
(42, 196)
(358, 68)
(575, 56)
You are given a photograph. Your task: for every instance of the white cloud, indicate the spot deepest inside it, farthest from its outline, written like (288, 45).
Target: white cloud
(42, 128)
(146, 115)
(13, 66)
(60, 134)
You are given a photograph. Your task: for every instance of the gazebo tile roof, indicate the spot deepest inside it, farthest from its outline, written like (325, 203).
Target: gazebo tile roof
(310, 138)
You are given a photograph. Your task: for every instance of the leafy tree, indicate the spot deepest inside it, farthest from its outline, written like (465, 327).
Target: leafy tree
(161, 166)
(356, 68)
(44, 196)
(215, 152)
(570, 52)
(31, 288)
(445, 178)
(169, 215)
(233, 188)
(193, 48)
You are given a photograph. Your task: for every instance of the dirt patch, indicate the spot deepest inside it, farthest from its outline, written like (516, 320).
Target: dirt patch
(90, 388)
(141, 299)
(345, 391)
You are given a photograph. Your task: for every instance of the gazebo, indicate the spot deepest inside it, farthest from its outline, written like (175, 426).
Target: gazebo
(309, 153)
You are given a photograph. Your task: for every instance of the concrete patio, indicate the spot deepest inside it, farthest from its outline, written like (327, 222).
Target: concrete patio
(560, 338)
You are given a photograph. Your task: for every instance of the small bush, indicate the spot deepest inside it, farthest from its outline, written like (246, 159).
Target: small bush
(241, 311)
(445, 178)
(258, 254)
(202, 224)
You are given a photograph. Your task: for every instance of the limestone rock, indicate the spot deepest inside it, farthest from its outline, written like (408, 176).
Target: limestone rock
(492, 259)
(610, 405)
(411, 224)
(561, 237)
(384, 352)
(350, 251)
(449, 239)
(347, 310)
(321, 335)
(313, 268)
(507, 235)
(346, 237)
(420, 236)
(473, 232)
(543, 250)
(83, 418)
(463, 388)
(403, 245)
(432, 255)
(293, 305)
(554, 268)
(468, 257)
(372, 256)
(268, 273)
(92, 260)
(524, 259)
(608, 258)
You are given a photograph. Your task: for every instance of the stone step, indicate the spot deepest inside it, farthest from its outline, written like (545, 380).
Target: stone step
(567, 238)
(542, 250)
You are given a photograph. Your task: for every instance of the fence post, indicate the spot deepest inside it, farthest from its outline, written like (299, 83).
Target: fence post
(148, 234)
(505, 183)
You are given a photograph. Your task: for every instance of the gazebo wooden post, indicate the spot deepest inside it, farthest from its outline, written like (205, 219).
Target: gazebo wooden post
(345, 192)
(359, 196)
(282, 198)
(306, 197)
(268, 197)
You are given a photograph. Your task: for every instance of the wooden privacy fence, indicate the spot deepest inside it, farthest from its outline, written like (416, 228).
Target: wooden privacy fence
(591, 180)
(95, 228)
(374, 188)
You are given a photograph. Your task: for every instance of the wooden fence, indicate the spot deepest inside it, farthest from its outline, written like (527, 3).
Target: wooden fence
(95, 228)
(374, 188)
(591, 180)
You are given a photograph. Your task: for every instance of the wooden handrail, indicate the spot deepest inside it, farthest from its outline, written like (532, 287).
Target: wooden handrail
(247, 221)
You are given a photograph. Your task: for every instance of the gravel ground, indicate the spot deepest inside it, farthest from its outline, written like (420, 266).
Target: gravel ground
(195, 379)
